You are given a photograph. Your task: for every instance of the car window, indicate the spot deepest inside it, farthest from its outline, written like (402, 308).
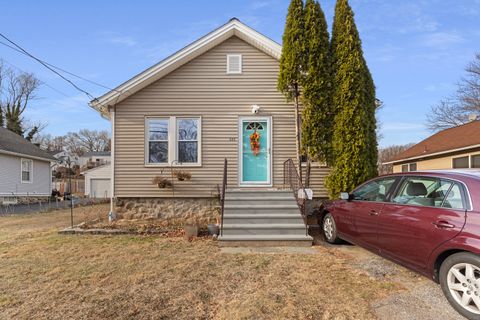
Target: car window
(376, 190)
(454, 198)
(428, 191)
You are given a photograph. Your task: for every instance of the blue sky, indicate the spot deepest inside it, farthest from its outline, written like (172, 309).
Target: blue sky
(416, 49)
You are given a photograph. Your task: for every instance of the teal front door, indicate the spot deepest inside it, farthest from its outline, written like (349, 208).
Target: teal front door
(255, 152)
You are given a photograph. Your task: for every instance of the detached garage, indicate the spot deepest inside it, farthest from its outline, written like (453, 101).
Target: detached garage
(98, 182)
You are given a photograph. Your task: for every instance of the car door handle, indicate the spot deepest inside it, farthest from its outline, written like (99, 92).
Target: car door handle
(373, 213)
(443, 225)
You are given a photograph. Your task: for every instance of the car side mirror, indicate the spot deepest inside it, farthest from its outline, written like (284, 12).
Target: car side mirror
(344, 196)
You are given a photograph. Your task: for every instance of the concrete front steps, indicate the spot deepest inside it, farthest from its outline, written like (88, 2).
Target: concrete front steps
(262, 218)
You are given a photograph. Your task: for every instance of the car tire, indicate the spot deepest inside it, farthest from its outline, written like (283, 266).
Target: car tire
(456, 283)
(329, 229)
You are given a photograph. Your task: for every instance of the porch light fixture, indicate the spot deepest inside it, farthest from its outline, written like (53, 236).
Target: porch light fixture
(255, 109)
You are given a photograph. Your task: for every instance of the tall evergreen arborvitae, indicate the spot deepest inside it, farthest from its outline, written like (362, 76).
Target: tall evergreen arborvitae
(1, 117)
(292, 63)
(354, 136)
(317, 121)
(13, 117)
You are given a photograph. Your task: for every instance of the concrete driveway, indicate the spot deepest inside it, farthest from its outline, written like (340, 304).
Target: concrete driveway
(421, 299)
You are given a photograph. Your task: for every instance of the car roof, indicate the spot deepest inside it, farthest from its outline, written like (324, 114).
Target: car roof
(459, 174)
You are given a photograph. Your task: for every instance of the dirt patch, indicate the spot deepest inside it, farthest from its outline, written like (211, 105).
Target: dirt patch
(419, 298)
(46, 275)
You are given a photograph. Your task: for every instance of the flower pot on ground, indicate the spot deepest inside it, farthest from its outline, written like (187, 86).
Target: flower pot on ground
(213, 229)
(182, 175)
(191, 231)
(162, 182)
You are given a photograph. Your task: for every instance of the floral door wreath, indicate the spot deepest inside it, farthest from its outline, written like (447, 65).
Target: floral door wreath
(255, 137)
(255, 142)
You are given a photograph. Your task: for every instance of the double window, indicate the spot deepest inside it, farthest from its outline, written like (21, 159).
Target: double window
(26, 170)
(466, 162)
(409, 167)
(173, 140)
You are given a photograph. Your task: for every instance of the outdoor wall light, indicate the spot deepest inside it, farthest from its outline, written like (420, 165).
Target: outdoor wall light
(255, 109)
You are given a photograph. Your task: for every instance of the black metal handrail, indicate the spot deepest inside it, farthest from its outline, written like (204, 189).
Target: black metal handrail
(222, 194)
(292, 179)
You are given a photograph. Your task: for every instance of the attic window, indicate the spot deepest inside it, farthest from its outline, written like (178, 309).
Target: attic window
(234, 63)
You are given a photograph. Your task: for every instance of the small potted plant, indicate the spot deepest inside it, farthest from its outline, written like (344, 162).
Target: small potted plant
(162, 182)
(191, 229)
(214, 228)
(182, 175)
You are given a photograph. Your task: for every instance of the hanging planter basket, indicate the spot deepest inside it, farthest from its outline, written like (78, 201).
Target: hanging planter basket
(161, 182)
(182, 175)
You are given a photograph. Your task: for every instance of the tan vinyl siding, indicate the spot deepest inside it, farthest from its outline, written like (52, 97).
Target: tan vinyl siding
(202, 88)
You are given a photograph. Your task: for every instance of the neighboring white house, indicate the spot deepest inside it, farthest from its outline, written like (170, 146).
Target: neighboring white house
(94, 159)
(58, 154)
(98, 182)
(25, 169)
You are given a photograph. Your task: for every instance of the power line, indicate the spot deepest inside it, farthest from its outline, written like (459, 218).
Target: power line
(49, 68)
(63, 70)
(43, 82)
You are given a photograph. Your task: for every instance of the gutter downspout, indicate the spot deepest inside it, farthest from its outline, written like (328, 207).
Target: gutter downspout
(111, 215)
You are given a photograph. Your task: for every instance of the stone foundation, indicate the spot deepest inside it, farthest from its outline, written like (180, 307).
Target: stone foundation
(200, 210)
(27, 199)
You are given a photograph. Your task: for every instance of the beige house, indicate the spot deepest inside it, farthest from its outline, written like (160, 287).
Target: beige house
(192, 110)
(454, 148)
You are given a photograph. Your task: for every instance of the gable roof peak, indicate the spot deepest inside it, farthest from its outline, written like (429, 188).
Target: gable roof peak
(234, 27)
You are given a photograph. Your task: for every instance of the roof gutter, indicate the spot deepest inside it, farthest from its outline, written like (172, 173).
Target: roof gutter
(433, 154)
(27, 156)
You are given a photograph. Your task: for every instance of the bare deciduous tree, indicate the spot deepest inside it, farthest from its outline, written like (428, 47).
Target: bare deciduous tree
(50, 143)
(16, 91)
(466, 100)
(77, 143)
(388, 153)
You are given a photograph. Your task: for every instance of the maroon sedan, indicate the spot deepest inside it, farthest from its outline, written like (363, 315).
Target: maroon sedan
(427, 221)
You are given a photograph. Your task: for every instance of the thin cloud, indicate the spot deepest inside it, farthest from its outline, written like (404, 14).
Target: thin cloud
(442, 39)
(401, 126)
(123, 40)
(260, 4)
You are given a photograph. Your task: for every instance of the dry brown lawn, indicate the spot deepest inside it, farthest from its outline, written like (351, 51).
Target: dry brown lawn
(47, 275)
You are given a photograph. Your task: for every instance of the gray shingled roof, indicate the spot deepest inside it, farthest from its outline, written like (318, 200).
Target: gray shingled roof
(96, 153)
(12, 142)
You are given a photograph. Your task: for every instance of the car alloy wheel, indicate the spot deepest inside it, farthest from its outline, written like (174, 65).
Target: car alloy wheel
(463, 281)
(328, 227)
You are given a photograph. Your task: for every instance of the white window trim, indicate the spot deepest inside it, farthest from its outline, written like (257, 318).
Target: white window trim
(21, 171)
(173, 142)
(240, 64)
